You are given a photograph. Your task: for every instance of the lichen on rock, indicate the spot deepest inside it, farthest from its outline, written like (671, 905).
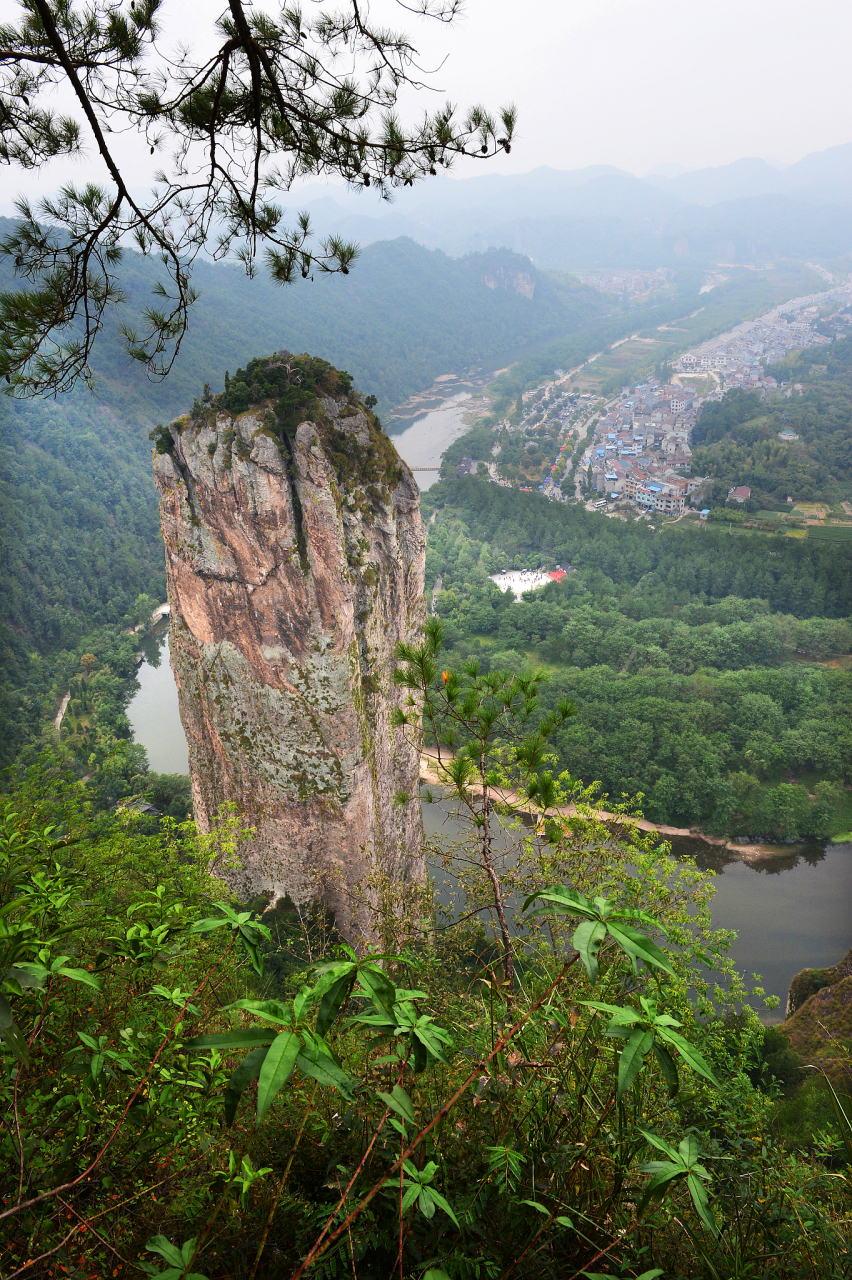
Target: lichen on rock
(295, 559)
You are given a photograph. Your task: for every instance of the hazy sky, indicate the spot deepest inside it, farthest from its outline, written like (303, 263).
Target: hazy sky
(634, 83)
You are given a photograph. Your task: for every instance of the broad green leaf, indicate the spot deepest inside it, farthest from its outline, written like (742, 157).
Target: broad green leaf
(620, 1013)
(688, 1149)
(426, 1202)
(702, 1202)
(378, 986)
(668, 1068)
(565, 900)
(272, 1009)
(442, 1204)
(326, 1072)
(587, 939)
(660, 1143)
(690, 1055)
(302, 1001)
(236, 1039)
(11, 1035)
(25, 975)
(35, 972)
(639, 946)
(412, 1195)
(166, 1250)
(212, 922)
(664, 1172)
(80, 975)
(534, 1204)
(241, 1078)
(277, 1068)
(433, 1039)
(332, 1001)
(399, 1101)
(435, 1273)
(632, 1059)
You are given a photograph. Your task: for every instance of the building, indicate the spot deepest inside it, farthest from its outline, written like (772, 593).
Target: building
(741, 494)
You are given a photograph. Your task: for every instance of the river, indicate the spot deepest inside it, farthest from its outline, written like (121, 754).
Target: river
(428, 424)
(790, 910)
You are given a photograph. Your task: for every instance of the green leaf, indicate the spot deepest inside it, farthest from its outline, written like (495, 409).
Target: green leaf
(441, 1203)
(412, 1195)
(534, 1204)
(660, 1143)
(690, 1055)
(587, 939)
(565, 900)
(272, 1009)
(326, 1072)
(435, 1273)
(81, 975)
(399, 1102)
(632, 1059)
(620, 1013)
(668, 1068)
(232, 1039)
(241, 1078)
(378, 986)
(212, 922)
(166, 1250)
(11, 1035)
(332, 1001)
(431, 1038)
(277, 1068)
(639, 946)
(702, 1202)
(426, 1202)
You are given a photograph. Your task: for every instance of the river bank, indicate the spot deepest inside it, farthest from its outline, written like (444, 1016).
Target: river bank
(429, 773)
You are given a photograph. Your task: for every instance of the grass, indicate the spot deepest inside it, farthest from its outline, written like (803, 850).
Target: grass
(830, 532)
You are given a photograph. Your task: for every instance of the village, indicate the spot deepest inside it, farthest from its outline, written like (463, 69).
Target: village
(639, 453)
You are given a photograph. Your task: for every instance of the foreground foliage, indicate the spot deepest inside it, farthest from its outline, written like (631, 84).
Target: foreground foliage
(393, 1110)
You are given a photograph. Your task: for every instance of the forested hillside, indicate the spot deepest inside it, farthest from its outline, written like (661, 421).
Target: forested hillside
(703, 665)
(403, 315)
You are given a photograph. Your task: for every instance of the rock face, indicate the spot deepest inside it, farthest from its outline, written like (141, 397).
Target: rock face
(295, 558)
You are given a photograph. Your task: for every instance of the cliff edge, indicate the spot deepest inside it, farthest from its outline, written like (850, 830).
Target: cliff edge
(295, 556)
(818, 1020)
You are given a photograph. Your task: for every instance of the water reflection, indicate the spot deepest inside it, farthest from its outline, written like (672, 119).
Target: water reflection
(710, 857)
(153, 712)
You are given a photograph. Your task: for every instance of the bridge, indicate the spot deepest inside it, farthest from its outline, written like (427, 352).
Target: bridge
(424, 468)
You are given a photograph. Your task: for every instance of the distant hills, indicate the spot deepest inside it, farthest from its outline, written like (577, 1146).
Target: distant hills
(823, 177)
(600, 217)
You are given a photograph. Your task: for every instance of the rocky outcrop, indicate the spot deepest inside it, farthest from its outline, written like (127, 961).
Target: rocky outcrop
(809, 981)
(295, 563)
(818, 1022)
